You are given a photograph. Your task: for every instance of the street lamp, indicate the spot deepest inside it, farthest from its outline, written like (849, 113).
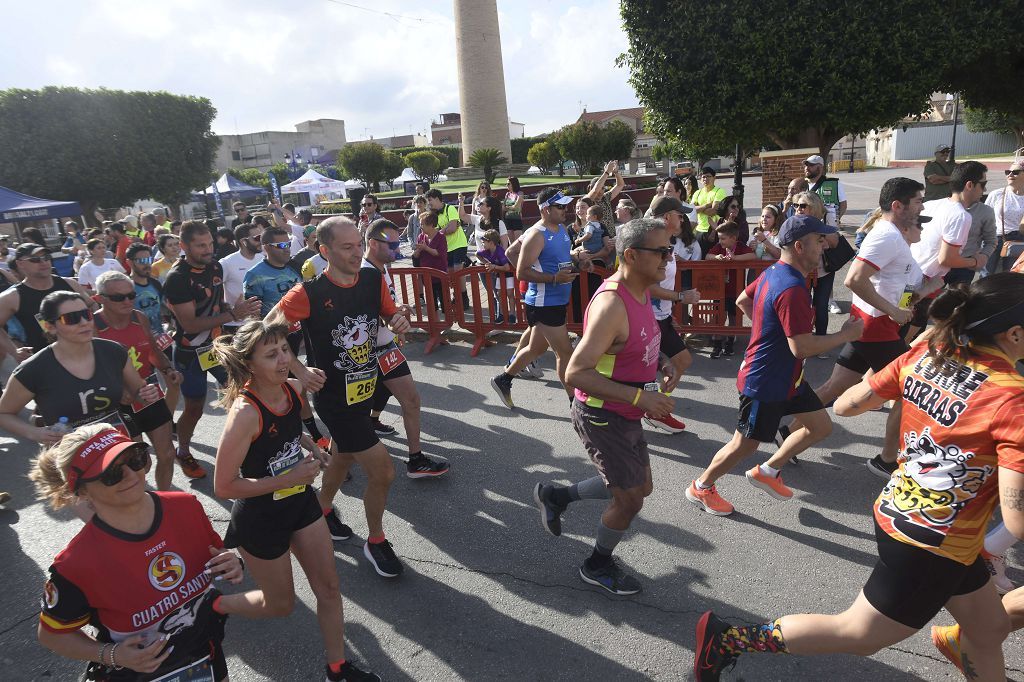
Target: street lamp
(293, 161)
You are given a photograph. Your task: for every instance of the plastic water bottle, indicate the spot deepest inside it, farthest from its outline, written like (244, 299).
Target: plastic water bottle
(60, 428)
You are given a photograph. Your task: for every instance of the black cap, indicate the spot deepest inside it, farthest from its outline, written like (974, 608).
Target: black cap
(29, 249)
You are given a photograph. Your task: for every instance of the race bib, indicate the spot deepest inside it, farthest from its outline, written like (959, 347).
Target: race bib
(652, 386)
(112, 418)
(282, 465)
(207, 360)
(908, 293)
(153, 379)
(389, 360)
(198, 671)
(163, 340)
(359, 386)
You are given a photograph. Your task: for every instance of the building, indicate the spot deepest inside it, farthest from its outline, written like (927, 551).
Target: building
(448, 130)
(310, 141)
(397, 141)
(634, 118)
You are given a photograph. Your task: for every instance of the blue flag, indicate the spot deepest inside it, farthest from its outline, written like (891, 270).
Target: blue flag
(274, 187)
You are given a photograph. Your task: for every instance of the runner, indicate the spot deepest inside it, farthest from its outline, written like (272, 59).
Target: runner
(963, 452)
(195, 295)
(546, 262)
(664, 295)
(340, 311)
(118, 321)
(104, 579)
(394, 375)
(235, 265)
(23, 299)
(615, 371)
(946, 638)
(770, 381)
(261, 467)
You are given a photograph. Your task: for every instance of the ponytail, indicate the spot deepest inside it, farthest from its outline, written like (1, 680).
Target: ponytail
(234, 353)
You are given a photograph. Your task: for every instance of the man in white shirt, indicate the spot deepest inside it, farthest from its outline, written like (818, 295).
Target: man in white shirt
(235, 265)
(939, 249)
(97, 264)
(1008, 204)
(303, 218)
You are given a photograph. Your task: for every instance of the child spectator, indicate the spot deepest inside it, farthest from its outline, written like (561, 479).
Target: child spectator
(412, 231)
(728, 248)
(432, 250)
(592, 237)
(492, 256)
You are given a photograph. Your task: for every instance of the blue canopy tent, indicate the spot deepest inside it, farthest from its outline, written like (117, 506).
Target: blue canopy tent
(15, 207)
(231, 189)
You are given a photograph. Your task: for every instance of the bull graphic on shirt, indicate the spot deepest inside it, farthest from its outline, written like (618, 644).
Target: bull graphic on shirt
(925, 497)
(355, 336)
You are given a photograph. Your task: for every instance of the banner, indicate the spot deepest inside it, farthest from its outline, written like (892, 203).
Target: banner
(216, 200)
(274, 187)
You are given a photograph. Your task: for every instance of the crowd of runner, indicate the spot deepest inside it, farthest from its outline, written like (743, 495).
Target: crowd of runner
(301, 322)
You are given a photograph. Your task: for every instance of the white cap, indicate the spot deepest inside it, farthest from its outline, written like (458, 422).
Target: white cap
(815, 160)
(942, 148)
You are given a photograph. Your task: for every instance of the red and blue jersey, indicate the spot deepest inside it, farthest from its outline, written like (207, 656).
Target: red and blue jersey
(782, 309)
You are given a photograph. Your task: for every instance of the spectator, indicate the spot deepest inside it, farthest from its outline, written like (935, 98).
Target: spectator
(449, 224)
(225, 240)
(606, 198)
(809, 203)
(119, 243)
(492, 256)
(1008, 204)
(728, 248)
(936, 175)
(796, 185)
(432, 250)
(241, 214)
(487, 217)
(169, 246)
(513, 204)
(706, 201)
(147, 230)
(692, 187)
(483, 190)
(368, 212)
(579, 221)
(765, 240)
(74, 242)
(591, 239)
(412, 229)
(97, 264)
(625, 211)
(162, 217)
(302, 220)
(422, 188)
(829, 189)
(732, 210)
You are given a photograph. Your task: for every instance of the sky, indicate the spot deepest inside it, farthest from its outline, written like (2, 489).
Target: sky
(385, 67)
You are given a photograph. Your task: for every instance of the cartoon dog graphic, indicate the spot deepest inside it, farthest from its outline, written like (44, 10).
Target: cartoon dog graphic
(356, 337)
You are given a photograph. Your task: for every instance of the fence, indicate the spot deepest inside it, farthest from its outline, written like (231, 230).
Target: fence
(495, 304)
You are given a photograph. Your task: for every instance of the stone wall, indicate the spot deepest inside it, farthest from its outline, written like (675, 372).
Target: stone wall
(778, 168)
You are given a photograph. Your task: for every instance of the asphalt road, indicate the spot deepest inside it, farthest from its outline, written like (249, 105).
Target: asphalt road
(488, 595)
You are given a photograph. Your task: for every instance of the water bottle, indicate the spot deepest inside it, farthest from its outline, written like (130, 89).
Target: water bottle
(60, 428)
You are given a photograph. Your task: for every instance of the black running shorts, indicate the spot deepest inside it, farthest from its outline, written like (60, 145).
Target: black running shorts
(911, 585)
(615, 444)
(149, 418)
(547, 315)
(860, 356)
(760, 419)
(350, 427)
(263, 526)
(671, 343)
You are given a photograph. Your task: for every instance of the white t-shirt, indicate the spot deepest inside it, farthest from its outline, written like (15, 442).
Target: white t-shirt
(384, 335)
(950, 223)
(684, 252)
(298, 239)
(895, 273)
(235, 266)
(89, 271)
(1009, 213)
(478, 232)
(663, 309)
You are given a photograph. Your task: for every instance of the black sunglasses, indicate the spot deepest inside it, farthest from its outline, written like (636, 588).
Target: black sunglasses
(394, 246)
(118, 298)
(664, 251)
(802, 205)
(366, 204)
(36, 259)
(114, 474)
(76, 316)
(1014, 173)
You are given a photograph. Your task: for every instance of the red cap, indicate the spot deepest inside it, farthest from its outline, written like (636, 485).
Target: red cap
(96, 454)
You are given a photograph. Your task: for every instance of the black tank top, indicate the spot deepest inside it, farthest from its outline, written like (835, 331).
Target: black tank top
(276, 448)
(28, 307)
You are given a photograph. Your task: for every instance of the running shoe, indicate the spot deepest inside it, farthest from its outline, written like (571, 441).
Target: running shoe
(531, 371)
(350, 673)
(5, 497)
(669, 424)
(783, 435)
(772, 485)
(881, 468)
(383, 558)
(946, 639)
(502, 383)
(729, 348)
(383, 429)
(550, 513)
(708, 659)
(610, 577)
(709, 500)
(425, 467)
(189, 465)
(996, 566)
(717, 350)
(834, 308)
(337, 529)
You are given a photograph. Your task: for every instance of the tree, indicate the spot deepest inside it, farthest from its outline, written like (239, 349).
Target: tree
(488, 160)
(521, 147)
(581, 143)
(105, 147)
(366, 162)
(425, 164)
(844, 68)
(544, 155)
(619, 141)
(993, 121)
(394, 165)
(251, 176)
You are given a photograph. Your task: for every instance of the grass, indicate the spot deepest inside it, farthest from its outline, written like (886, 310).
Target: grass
(469, 186)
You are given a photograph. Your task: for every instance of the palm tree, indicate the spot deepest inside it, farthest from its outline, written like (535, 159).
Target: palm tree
(487, 159)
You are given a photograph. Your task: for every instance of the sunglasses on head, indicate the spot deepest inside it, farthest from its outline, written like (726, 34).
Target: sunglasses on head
(136, 459)
(664, 251)
(75, 316)
(37, 259)
(280, 245)
(118, 298)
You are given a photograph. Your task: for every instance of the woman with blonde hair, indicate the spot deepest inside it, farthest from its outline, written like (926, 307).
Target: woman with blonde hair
(260, 465)
(105, 580)
(809, 203)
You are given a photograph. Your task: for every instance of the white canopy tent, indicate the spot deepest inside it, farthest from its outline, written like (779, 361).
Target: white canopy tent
(315, 184)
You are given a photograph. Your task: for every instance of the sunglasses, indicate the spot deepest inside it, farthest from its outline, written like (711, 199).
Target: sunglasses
(76, 316)
(280, 245)
(145, 260)
(36, 259)
(394, 246)
(1014, 173)
(982, 184)
(802, 205)
(366, 204)
(118, 298)
(664, 251)
(114, 474)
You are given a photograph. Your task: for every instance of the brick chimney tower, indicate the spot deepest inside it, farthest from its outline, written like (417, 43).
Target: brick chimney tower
(481, 78)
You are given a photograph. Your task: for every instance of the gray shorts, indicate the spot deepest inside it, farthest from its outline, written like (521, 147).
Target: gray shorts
(615, 444)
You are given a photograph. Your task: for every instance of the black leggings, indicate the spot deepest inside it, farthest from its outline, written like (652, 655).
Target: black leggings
(820, 295)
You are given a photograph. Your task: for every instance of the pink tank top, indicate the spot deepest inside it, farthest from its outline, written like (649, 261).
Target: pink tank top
(636, 363)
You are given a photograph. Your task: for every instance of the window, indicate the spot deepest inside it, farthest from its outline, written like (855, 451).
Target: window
(236, 155)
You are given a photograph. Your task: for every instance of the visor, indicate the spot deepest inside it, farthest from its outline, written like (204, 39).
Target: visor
(558, 198)
(95, 455)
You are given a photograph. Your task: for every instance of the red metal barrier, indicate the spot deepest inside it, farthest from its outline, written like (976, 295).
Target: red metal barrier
(490, 295)
(414, 288)
(708, 316)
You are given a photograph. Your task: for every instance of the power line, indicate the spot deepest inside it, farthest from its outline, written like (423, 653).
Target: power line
(392, 15)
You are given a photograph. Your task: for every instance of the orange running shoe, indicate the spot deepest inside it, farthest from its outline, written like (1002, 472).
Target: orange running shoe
(946, 639)
(709, 500)
(190, 466)
(772, 485)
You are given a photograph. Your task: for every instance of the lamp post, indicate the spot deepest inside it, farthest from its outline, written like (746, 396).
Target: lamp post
(294, 162)
(737, 187)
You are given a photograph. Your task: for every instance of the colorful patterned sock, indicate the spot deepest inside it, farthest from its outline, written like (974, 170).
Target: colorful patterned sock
(766, 638)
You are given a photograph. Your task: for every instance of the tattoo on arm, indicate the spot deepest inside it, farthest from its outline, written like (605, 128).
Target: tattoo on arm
(1012, 498)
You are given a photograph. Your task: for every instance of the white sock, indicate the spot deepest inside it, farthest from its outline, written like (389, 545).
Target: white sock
(768, 471)
(999, 540)
(701, 486)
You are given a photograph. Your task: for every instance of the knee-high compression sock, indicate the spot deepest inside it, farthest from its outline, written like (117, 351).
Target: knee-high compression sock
(999, 540)
(590, 489)
(606, 542)
(766, 638)
(312, 428)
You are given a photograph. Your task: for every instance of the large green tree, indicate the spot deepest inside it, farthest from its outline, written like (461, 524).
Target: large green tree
(544, 155)
(803, 73)
(367, 162)
(995, 121)
(105, 147)
(618, 140)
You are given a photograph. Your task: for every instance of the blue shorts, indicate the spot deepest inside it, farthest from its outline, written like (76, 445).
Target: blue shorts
(193, 385)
